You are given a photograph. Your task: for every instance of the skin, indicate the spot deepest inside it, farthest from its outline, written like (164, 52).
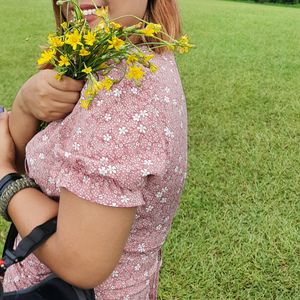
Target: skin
(117, 9)
(82, 253)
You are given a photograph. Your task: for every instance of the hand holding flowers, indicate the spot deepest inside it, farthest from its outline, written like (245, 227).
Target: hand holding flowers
(80, 52)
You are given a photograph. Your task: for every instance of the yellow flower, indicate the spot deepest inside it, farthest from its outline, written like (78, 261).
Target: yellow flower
(64, 25)
(153, 68)
(147, 58)
(55, 41)
(46, 56)
(136, 73)
(58, 76)
(131, 59)
(115, 25)
(85, 103)
(184, 45)
(64, 61)
(74, 39)
(84, 52)
(102, 12)
(107, 83)
(151, 29)
(87, 70)
(116, 43)
(90, 38)
(103, 66)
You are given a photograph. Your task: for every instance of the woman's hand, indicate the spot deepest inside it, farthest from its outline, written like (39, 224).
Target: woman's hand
(47, 99)
(7, 147)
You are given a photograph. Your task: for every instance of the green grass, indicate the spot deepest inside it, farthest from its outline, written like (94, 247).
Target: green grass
(237, 232)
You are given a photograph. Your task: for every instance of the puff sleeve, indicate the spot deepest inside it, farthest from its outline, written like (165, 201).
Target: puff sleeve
(108, 152)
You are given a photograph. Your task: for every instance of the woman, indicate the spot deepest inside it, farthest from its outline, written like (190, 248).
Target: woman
(115, 171)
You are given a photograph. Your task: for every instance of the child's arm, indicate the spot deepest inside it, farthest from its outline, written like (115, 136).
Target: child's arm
(43, 98)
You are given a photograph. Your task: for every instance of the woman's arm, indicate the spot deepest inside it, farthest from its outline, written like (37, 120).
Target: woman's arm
(90, 237)
(43, 98)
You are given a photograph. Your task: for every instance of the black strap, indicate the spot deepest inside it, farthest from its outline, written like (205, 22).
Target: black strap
(6, 180)
(10, 238)
(27, 245)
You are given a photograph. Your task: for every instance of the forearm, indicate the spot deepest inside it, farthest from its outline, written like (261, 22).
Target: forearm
(30, 208)
(23, 127)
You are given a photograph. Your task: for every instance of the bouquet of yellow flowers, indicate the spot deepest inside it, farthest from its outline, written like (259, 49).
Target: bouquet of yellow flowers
(80, 52)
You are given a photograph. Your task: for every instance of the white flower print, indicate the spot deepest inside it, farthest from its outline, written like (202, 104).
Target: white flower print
(136, 117)
(166, 99)
(159, 194)
(51, 180)
(107, 117)
(102, 171)
(44, 138)
(103, 160)
(115, 274)
(141, 247)
(76, 146)
(79, 130)
(111, 169)
(117, 93)
(42, 156)
(123, 130)
(156, 98)
(85, 179)
(145, 172)
(68, 154)
(107, 137)
(134, 90)
(149, 208)
(99, 102)
(146, 274)
(163, 200)
(144, 113)
(31, 161)
(168, 132)
(141, 128)
(123, 144)
(148, 162)
(124, 199)
(158, 227)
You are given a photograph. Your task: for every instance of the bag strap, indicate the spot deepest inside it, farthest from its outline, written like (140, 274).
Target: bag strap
(10, 238)
(27, 245)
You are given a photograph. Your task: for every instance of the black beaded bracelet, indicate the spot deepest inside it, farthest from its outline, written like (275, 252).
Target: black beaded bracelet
(6, 180)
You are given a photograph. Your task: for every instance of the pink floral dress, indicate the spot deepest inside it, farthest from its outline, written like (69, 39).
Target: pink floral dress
(128, 150)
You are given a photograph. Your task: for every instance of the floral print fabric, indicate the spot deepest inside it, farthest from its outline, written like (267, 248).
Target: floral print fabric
(129, 149)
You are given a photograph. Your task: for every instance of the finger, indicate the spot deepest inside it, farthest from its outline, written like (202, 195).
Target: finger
(62, 108)
(66, 84)
(4, 122)
(63, 96)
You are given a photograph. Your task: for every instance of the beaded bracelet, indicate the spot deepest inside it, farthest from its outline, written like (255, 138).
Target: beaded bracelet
(10, 190)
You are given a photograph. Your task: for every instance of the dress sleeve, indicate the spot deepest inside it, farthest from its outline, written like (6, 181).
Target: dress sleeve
(108, 152)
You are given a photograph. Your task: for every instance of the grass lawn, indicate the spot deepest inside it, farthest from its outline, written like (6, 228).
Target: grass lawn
(237, 232)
